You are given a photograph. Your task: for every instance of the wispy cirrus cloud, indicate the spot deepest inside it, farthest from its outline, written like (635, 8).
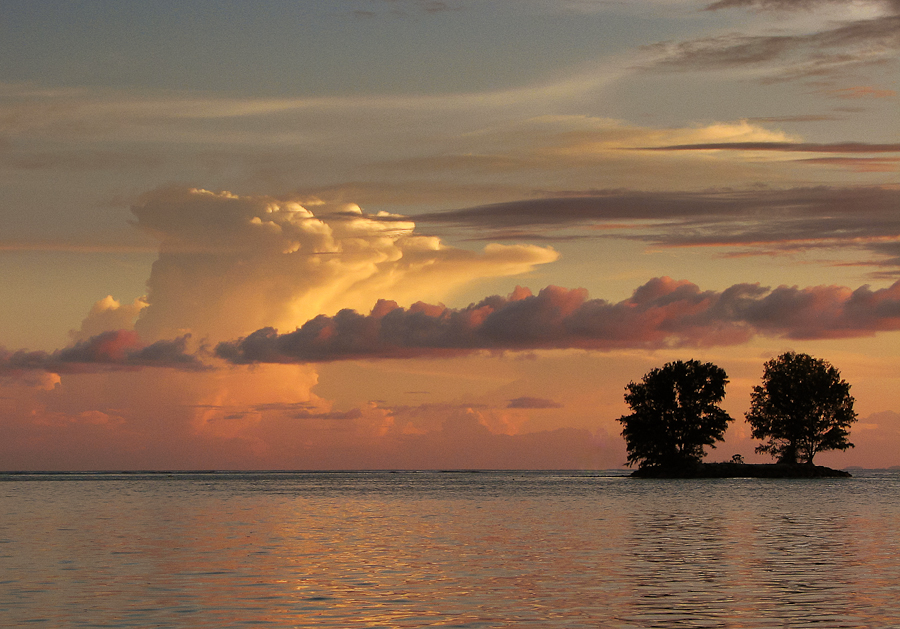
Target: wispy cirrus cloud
(797, 118)
(750, 221)
(837, 152)
(860, 164)
(789, 147)
(826, 51)
(295, 410)
(857, 92)
(793, 5)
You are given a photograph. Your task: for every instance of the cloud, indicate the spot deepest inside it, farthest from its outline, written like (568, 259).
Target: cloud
(107, 421)
(793, 5)
(406, 8)
(798, 118)
(353, 413)
(829, 51)
(229, 264)
(754, 221)
(791, 147)
(114, 349)
(662, 313)
(861, 164)
(108, 314)
(295, 410)
(860, 91)
(564, 142)
(532, 402)
(73, 247)
(420, 150)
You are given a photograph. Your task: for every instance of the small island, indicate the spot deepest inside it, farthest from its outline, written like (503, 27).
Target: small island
(740, 470)
(803, 407)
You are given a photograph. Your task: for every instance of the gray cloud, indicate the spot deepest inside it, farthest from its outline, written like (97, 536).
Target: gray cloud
(115, 349)
(792, 5)
(789, 147)
(661, 313)
(757, 220)
(827, 52)
(532, 402)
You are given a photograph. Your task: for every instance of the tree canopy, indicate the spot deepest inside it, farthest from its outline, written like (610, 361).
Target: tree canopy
(675, 413)
(803, 407)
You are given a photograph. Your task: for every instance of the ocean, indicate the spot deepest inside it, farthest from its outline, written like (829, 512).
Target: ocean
(447, 549)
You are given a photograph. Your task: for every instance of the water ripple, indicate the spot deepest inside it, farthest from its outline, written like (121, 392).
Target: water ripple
(448, 550)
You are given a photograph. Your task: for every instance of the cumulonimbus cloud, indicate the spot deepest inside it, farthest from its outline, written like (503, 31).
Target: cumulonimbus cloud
(662, 313)
(231, 264)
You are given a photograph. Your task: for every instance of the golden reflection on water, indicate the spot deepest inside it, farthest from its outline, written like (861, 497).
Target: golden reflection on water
(448, 550)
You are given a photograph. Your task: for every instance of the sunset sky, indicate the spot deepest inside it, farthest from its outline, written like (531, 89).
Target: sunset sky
(493, 214)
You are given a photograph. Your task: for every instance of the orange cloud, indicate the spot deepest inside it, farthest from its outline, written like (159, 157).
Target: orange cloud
(248, 418)
(861, 91)
(229, 265)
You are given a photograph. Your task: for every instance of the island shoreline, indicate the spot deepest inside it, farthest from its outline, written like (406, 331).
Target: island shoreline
(740, 470)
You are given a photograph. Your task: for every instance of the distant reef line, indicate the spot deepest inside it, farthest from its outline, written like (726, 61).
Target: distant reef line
(740, 470)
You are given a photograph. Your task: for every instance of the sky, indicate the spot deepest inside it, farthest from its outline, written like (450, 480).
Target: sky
(423, 234)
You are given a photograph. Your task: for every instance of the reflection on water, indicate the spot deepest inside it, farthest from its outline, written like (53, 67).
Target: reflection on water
(447, 550)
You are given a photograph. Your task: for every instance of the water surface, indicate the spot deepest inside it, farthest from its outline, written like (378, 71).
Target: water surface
(489, 549)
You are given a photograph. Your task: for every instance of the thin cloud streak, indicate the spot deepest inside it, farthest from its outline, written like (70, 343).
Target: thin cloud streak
(533, 402)
(792, 147)
(829, 52)
(757, 221)
(792, 5)
(70, 247)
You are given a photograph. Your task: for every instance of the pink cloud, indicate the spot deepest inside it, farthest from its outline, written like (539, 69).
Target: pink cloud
(661, 313)
(111, 349)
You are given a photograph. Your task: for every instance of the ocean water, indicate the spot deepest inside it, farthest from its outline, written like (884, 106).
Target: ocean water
(488, 549)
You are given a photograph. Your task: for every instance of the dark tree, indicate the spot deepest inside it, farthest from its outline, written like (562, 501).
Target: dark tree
(675, 414)
(802, 408)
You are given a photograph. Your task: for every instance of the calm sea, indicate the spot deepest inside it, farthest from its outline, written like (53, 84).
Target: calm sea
(489, 549)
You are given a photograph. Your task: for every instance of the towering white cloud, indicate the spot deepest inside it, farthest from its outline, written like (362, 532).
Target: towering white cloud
(229, 265)
(108, 314)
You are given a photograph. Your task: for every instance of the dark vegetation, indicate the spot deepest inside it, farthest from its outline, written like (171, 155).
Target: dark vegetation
(675, 413)
(802, 407)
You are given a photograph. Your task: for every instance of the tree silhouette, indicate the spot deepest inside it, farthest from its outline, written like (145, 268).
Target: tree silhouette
(675, 414)
(802, 408)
